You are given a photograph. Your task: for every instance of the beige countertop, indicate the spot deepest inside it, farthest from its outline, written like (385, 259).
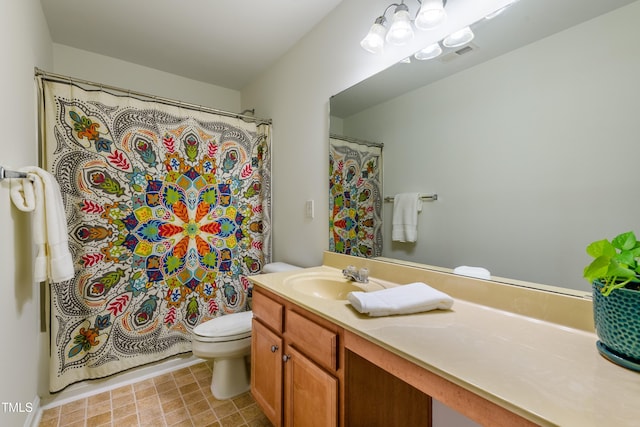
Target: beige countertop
(546, 372)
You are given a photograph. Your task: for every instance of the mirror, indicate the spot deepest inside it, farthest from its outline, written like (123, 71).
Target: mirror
(530, 138)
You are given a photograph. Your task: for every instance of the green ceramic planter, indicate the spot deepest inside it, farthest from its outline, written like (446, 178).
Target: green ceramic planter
(617, 321)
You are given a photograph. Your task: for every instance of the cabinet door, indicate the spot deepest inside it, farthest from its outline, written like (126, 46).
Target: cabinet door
(311, 393)
(266, 371)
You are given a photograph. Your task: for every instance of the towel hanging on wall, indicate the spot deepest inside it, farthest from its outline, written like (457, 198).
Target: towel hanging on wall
(39, 193)
(405, 217)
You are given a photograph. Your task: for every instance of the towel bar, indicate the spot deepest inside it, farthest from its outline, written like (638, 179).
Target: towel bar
(8, 174)
(424, 198)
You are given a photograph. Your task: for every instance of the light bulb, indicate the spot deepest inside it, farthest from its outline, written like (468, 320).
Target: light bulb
(459, 38)
(374, 41)
(400, 31)
(428, 52)
(430, 15)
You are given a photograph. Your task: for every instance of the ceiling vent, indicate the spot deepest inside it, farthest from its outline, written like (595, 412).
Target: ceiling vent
(453, 55)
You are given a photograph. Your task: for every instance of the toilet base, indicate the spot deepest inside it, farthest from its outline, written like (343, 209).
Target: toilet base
(230, 378)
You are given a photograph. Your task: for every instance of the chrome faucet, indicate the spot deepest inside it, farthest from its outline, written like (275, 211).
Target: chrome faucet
(352, 273)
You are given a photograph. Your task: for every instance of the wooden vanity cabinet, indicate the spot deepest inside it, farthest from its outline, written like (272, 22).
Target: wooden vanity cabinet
(296, 361)
(266, 371)
(311, 393)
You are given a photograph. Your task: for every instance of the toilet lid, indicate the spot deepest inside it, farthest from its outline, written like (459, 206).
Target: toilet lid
(235, 325)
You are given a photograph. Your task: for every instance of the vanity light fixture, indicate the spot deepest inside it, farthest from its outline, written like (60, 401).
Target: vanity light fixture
(458, 38)
(374, 41)
(429, 52)
(430, 15)
(400, 32)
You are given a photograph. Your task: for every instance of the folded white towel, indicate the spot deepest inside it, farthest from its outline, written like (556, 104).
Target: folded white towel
(40, 194)
(404, 299)
(405, 217)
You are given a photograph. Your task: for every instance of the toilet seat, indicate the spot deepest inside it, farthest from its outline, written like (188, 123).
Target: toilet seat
(229, 327)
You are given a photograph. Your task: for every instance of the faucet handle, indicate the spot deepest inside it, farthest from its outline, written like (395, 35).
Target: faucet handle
(350, 269)
(364, 274)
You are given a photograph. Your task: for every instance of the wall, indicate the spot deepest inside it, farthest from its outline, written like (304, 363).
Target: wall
(25, 44)
(295, 93)
(527, 162)
(90, 66)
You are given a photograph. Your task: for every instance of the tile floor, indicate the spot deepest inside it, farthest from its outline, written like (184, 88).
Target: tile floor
(178, 398)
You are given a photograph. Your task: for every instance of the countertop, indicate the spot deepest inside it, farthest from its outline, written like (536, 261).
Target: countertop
(546, 372)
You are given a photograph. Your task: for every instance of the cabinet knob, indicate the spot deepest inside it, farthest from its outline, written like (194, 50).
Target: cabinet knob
(286, 357)
(274, 348)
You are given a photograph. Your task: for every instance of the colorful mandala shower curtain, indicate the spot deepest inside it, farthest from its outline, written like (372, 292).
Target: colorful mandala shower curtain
(168, 212)
(355, 197)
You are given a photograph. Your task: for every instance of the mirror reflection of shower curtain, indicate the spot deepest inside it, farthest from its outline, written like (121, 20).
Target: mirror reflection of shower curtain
(355, 197)
(168, 212)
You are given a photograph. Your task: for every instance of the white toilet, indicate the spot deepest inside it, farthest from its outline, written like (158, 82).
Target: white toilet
(227, 340)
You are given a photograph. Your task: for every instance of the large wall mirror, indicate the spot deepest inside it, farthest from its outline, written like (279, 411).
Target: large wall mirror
(530, 138)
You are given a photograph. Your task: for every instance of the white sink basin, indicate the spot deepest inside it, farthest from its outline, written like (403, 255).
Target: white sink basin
(327, 285)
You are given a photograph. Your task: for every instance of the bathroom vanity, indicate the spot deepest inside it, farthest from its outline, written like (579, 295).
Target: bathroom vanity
(299, 363)
(504, 356)
(295, 355)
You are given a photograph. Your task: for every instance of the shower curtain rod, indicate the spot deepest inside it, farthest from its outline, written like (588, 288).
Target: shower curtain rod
(71, 80)
(356, 140)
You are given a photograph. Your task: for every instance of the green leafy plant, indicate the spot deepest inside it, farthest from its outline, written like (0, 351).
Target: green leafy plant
(616, 264)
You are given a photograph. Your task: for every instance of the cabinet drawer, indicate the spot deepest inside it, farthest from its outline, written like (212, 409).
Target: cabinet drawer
(267, 310)
(318, 343)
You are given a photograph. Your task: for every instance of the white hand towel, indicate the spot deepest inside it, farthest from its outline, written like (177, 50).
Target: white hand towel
(40, 194)
(405, 299)
(405, 217)
(477, 272)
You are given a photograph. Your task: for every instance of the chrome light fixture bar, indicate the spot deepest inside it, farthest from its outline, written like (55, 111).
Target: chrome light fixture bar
(430, 15)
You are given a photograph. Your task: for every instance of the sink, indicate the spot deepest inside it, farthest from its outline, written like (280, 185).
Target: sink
(327, 285)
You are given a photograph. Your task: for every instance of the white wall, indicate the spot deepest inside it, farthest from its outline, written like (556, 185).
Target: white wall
(533, 154)
(90, 66)
(295, 93)
(25, 44)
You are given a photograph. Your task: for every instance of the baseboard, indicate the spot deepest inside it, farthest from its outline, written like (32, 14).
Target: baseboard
(33, 418)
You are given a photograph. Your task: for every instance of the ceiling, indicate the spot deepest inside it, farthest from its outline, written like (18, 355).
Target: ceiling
(229, 43)
(226, 43)
(525, 22)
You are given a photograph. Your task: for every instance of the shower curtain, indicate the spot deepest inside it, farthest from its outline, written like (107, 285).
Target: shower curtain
(355, 197)
(168, 212)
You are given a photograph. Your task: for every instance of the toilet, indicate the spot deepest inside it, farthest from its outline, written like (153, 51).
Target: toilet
(227, 341)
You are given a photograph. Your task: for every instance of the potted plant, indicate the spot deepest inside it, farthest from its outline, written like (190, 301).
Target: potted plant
(615, 276)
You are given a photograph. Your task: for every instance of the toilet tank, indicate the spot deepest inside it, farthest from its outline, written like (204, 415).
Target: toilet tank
(277, 267)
